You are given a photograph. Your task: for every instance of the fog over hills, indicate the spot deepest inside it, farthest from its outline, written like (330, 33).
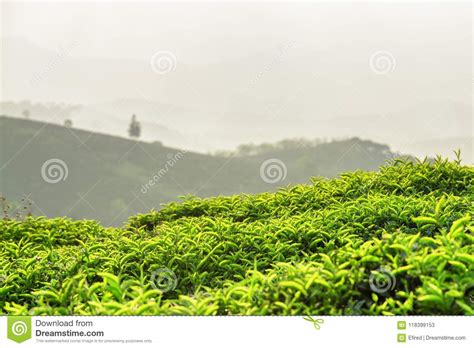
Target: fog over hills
(448, 130)
(108, 178)
(396, 73)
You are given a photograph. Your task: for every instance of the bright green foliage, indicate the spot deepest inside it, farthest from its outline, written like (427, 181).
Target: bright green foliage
(304, 250)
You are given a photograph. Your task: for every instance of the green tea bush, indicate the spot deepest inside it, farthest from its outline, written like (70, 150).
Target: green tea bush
(395, 242)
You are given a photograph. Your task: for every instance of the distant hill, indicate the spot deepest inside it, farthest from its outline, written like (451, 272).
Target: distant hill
(110, 178)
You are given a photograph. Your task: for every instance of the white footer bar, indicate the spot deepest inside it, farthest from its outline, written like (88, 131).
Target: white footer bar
(236, 331)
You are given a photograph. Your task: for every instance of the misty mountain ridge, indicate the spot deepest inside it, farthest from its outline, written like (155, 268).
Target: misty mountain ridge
(169, 125)
(106, 175)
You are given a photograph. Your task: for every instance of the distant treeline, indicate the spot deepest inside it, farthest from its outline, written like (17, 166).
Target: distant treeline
(103, 176)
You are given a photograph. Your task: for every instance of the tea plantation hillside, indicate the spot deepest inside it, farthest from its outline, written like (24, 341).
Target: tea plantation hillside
(394, 242)
(110, 172)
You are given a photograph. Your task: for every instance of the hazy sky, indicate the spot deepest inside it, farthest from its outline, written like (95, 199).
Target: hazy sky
(203, 32)
(290, 66)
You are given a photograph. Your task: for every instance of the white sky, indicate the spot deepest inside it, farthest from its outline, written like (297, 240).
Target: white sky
(306, 60)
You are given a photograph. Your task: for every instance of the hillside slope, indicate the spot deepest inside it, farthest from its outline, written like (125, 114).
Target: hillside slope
(107, 175)
(399, 241)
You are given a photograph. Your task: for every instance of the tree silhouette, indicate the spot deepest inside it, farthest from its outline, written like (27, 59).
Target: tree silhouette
(134, 129)
(68, 123)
